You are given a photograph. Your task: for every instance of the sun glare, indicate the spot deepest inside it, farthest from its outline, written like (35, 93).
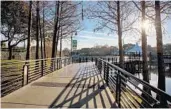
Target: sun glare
(145, 24)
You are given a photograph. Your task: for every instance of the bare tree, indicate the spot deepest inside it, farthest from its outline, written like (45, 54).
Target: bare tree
(154, 12)
(161, 72)
(29, 30)
(144, 47)
(68, 21)
(37, 30)
(114, 16)
(44, 30)
(54, 44)
(119, 35)
(14, 23)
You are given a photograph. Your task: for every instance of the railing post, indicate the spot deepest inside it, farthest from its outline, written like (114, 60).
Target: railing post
(96, 61)
(64, 62)
(45, 66)
(68, 61)
(104, 74)
(71, 59)
(107, 75)
(118, 89)
(25, 75)
(60, 63)
(57, 64)
(100, 67)
(42, 67)
(51, 64)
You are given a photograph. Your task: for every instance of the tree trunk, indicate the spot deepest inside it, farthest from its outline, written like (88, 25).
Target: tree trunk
(41, 39)
(144, 45)
(71, 46)
(60, 54)
(29, 25)
(44, 42)
(161, 72)
(41, 46)
(61, 44)
(37, 31)
(119, 35)
(54, 44)
(57, 40)
(10, 52)
(144, 49)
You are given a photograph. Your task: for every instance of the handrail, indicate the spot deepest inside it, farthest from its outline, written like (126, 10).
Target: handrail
(121, 79)
(18, 74)
(144, 82)
(33, 60)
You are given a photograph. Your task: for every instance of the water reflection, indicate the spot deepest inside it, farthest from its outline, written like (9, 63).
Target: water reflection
(154, 78)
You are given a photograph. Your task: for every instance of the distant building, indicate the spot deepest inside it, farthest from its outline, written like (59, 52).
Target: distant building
(134, 49)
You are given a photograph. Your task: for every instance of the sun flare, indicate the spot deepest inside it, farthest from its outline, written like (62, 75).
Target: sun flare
(146, 24)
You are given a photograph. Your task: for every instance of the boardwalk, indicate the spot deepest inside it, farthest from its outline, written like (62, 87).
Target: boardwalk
(76, 85)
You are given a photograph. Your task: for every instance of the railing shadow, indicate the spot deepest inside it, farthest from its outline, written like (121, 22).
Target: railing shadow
(85, 86)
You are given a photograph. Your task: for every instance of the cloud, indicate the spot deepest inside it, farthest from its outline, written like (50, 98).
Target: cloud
(88, 37)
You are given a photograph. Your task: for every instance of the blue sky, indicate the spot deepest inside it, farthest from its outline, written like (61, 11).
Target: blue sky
(88, 38)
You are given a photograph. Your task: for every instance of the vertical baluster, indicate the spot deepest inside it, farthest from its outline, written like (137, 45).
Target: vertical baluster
(107, 75)
(42, 67)
(96, 61)
(60, 63)
(25, 74)
(118, 89)
(104, 74)
(57, 63)
(65, 62)
(51, 64)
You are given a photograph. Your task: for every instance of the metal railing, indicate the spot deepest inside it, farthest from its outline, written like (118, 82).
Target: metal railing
(130, 91)
(17, 74)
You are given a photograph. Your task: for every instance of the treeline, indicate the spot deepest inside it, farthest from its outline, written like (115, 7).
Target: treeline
(38, 21)
(109, 50)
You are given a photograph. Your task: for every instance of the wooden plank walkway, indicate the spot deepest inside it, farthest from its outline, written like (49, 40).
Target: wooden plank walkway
(75, 86)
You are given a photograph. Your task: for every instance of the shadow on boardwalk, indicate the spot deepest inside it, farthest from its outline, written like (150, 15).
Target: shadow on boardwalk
(91, 85)
(75, 86)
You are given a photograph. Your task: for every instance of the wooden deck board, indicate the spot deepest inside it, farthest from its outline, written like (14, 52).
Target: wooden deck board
(75, 86)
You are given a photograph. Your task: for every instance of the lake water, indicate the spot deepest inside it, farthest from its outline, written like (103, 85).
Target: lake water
(154, 79)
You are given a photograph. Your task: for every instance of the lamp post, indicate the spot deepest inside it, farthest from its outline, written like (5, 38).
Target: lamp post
(72, 43)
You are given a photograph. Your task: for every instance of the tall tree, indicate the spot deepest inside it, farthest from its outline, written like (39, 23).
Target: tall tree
(119, 35)
(14, 23)
(144, 45)
(161, 72)
(37, 30)
(41, 38)
(114, 16)
(44, 42)
(29, 30)
(54, 44)
(60, 54)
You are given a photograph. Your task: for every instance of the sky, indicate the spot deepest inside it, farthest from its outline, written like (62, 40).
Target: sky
(88, 38)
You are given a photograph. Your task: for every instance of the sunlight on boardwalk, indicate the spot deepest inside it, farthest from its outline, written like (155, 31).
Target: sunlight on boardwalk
(77, 85)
